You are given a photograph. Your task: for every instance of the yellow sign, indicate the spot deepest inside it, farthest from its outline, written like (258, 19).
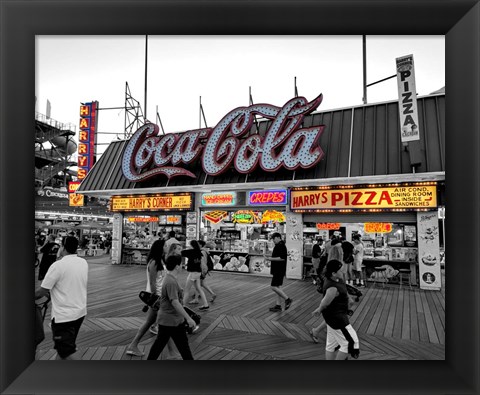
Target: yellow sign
(401, 197)
(152, 203)
(76, 200)
(273, 216)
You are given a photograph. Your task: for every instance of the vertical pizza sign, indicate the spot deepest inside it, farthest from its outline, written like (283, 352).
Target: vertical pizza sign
(407, 99)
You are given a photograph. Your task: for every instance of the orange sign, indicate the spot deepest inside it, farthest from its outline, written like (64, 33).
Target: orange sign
(76, 199)
(377, 227)
(400, 197)
(328, 226)
(142, 219)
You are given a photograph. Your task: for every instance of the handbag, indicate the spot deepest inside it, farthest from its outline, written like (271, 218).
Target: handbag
(39, 331)
(194, 316)
(150, 299)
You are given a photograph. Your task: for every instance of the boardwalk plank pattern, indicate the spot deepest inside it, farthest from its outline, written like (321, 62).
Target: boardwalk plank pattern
(392, 323)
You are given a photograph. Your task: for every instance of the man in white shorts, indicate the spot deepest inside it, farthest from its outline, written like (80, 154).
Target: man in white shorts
(342, 339)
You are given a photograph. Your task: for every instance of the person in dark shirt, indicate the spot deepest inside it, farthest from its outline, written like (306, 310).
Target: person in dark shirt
(316, 254)
(278, 269)
(335, 308)
(49, 251)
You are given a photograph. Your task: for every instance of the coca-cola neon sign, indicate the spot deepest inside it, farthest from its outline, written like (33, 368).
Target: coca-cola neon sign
(285, 144)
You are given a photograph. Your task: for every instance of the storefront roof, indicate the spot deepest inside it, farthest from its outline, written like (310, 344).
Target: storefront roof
(361, 144)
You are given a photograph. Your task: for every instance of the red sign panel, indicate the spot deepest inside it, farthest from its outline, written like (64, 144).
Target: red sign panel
(285, 144)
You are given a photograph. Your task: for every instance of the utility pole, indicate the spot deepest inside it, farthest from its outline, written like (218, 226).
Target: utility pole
(364, 42)
(146, 57)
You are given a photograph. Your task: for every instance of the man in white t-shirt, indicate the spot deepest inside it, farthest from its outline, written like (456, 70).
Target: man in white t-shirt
(66, 281)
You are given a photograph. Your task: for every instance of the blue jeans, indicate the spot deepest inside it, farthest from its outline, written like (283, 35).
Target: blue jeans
(179, 337)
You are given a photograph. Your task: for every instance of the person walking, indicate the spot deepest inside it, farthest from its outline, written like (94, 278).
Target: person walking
(207, 266)
(50, 252)
(66, 281)
(336, 253)
(171, 240)
(278, 269)
(155, 276)
(172, 316)
(348, 258)
(358, 260)
(342, 339)
(316, 254)
(194, 257)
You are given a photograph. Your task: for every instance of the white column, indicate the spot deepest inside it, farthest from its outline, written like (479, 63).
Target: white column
(294, 243)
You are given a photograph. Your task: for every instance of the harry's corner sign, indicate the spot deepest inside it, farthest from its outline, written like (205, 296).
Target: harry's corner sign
(285, 144)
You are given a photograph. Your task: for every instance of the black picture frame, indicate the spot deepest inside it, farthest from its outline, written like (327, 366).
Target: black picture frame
(21, 21)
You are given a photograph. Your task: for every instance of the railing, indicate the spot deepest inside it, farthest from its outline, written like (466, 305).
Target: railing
(56, 124)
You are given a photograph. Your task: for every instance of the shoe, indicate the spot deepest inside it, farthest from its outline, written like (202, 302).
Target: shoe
(213, 298)
(195, 329)
(135, 352)
(193, 302)
(288, 303)
(204, 308)
(314, 282)
(154, 329)
(314, 338)
(276, 308)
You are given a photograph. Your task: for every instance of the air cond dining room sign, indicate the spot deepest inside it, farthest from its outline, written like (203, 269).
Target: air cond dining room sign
(379, 198)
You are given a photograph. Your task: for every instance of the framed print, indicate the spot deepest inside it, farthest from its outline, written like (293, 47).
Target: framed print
(22, 21)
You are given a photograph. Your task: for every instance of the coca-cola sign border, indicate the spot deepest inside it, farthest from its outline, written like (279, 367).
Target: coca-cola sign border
(285, 144)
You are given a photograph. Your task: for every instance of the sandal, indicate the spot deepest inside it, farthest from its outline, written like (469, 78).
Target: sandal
(135, 353)
(314, 338)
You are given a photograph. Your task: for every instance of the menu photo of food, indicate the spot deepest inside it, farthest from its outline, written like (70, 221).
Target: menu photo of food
(215, 216)
(410, 232)
(429, 259)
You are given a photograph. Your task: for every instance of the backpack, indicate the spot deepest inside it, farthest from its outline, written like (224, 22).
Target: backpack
(347, 248)
(209, 262)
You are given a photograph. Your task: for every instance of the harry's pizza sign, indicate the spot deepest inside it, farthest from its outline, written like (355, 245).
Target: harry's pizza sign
(412, 197)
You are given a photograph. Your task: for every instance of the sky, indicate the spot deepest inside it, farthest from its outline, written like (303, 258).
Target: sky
(71, 70)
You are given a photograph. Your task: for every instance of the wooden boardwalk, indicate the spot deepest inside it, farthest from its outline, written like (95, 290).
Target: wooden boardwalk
(392, 323)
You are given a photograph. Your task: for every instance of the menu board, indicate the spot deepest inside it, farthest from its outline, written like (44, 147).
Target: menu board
(429, 251)
(294, 243)
(117, 229)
